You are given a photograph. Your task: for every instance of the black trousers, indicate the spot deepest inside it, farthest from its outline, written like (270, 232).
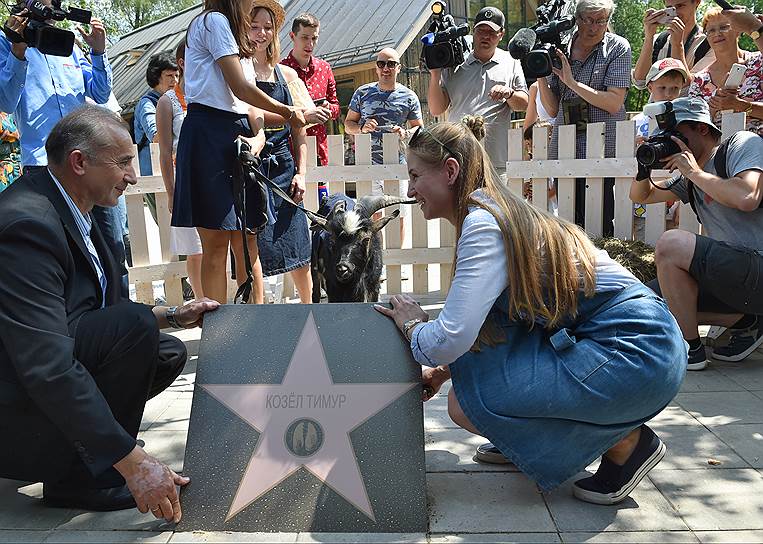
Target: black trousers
(131, 362)
(608, 214)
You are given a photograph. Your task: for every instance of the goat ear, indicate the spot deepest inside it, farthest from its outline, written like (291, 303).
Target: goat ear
(379, 224)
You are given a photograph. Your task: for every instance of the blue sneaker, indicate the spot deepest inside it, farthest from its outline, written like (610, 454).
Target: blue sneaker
(741, 344)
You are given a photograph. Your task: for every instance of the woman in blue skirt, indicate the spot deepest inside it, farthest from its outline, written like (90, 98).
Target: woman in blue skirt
(557, 354)
(218, 96)
(284, 246)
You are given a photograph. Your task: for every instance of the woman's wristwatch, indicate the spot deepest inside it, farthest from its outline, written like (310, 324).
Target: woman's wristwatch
(409, 325)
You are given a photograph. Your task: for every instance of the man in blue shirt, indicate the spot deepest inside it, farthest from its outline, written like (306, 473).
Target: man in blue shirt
(40, 90)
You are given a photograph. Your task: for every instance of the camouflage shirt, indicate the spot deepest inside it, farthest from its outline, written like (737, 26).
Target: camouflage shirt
(387, 108)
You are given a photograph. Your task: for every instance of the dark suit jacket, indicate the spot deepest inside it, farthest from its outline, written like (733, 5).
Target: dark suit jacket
(50, 405)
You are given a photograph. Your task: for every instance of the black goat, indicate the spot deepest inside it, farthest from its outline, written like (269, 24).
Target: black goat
(347, 247)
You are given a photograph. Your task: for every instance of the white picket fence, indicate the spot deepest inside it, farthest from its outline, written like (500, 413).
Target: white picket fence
(430, 253)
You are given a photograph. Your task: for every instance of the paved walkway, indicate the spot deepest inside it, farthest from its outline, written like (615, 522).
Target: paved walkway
(709, 488)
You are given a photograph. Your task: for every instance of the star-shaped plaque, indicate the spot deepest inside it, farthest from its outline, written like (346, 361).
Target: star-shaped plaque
(303, 422)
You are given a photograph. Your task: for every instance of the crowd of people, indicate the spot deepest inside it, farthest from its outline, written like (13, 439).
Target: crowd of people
(558, 355)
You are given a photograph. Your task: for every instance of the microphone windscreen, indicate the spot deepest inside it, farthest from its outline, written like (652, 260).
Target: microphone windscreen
(522, 43)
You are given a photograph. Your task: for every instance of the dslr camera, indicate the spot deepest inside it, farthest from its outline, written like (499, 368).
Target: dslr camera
(652, 153)
(444, 42)
(536, 46)
(42, 35)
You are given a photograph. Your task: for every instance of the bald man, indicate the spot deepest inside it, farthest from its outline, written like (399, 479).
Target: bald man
(384, 106)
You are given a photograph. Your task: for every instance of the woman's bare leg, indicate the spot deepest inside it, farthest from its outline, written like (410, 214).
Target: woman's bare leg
(304, 283)
(258, 285)
(214, 262)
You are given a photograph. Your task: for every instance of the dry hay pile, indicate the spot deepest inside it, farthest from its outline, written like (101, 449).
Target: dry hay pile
(634, 255)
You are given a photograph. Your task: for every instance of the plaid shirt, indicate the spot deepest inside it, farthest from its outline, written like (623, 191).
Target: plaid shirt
(608, 66)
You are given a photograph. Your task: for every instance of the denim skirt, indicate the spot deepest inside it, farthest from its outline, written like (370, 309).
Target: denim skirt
(205, 166)
(554, 401)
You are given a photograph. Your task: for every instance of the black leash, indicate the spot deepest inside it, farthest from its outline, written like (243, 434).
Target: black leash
(248, 170)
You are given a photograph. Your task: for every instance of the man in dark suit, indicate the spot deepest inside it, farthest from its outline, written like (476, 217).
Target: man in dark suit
(77, 361)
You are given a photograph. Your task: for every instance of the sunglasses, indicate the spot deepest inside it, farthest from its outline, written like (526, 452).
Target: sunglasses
(386, 64)
(420, 130)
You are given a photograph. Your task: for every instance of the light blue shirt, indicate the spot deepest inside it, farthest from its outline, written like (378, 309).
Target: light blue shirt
(84, 225)
(43, 89)
(144, 124)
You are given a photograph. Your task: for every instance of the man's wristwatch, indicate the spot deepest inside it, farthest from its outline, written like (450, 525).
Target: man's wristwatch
(171, 319)
(408, 326)
(755, 34)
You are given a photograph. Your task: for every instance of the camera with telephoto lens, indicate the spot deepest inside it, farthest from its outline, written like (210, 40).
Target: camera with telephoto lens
(536, 46)
(42, 35)
(444, 43)
(652, 153)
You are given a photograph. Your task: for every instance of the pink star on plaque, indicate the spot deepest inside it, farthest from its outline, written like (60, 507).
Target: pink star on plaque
(305, 422)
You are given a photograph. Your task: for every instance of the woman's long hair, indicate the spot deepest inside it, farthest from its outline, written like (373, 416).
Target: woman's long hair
(273, 53)
(239, 20)
(550, 261)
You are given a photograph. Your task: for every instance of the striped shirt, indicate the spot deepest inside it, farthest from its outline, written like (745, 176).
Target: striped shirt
(84, 225)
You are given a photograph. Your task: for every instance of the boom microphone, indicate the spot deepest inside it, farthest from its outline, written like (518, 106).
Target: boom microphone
(522, 43)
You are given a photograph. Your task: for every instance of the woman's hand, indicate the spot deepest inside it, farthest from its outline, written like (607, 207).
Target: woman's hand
(404, 308)
(727, 99)
(432, 379)
(297, 189)
(318, 115)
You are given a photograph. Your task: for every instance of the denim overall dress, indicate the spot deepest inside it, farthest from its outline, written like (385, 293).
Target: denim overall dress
(285, 244)
(554, 400)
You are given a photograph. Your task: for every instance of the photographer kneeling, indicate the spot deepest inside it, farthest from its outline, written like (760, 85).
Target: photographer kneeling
(557, 356)
(712, 279)
(590, 88)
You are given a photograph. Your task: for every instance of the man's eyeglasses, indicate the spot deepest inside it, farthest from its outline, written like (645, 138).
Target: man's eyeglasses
(386, 64)
(420, 130)
(717, 30)
(591, 22)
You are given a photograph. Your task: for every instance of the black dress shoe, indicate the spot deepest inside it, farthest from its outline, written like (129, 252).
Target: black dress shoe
(96, 500)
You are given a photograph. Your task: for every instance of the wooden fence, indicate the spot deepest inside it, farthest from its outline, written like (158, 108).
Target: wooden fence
(429, 255)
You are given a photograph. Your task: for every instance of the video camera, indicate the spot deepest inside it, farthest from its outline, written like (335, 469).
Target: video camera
(536, 46)
(444, 43)
(40, 34)
(656, 148)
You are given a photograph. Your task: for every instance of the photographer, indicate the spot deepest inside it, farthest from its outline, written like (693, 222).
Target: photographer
(682, 39)
(488, 83)
(41, 89)
(590, 87)
(712, 279)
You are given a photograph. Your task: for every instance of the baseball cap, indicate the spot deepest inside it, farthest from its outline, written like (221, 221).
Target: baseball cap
(490, 16)
(692, 109)
(662, 67)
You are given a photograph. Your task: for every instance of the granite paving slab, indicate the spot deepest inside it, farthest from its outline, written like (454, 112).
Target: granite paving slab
(710, 500)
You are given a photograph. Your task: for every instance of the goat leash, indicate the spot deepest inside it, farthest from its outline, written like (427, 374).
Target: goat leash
(246, 166)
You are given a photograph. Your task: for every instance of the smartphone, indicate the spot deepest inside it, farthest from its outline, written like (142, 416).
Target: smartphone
(320, 101)
(668, 14)
(735, 77)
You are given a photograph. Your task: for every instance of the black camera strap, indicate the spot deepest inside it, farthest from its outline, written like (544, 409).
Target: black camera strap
(721, 170)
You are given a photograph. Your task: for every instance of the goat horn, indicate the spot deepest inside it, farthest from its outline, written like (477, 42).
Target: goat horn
(370, 204)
